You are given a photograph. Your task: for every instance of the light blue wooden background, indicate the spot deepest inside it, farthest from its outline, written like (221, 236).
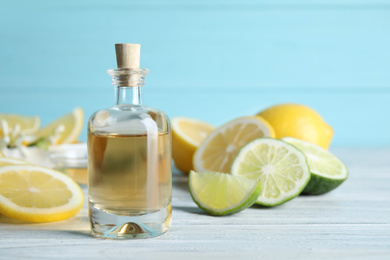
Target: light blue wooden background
(212, 60)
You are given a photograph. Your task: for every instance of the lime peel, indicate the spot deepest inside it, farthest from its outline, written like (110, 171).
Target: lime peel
(327, 171)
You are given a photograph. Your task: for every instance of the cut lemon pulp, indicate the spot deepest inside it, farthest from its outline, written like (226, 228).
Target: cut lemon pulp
(187, 135)
(72, 123)
(327, 171)
(220, 148)
(222, 194)
(28, 124)
(38, 194)
(281, 167)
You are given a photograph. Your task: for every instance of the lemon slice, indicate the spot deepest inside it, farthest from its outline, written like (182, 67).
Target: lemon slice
(28, 124)
(72, 123)
(220, 148)
(281, 167)
(38, 194)
(221, 193)
(327, 171)
(5, 161)
(187, 135)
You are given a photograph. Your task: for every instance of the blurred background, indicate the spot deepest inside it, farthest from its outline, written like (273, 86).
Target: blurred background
(211, 60)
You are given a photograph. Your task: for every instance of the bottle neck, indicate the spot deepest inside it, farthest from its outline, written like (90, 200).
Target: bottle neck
(128, 95)
(128, 85)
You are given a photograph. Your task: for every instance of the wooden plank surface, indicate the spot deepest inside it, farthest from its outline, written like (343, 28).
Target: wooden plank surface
(352, 222)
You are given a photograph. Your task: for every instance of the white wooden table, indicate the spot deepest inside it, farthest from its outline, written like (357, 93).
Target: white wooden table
(351, 222)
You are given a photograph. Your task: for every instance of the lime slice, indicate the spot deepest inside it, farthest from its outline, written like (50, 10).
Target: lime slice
(327, 171)
(221, 193)
(281, 167)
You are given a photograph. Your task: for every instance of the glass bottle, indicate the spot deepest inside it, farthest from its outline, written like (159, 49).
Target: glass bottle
(129, 164)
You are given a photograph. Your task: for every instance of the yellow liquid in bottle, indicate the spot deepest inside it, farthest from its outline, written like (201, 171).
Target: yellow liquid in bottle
(129, 175)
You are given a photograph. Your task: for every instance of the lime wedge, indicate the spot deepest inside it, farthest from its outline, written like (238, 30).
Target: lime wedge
(327, 171)
(281, 167)
(221, 193)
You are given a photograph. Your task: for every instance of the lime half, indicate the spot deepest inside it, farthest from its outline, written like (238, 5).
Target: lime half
(221, 193)
(327, 171)
(281, 167)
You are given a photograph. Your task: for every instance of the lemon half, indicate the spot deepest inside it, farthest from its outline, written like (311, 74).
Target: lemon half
(73, 124)
(187, 135)
(38, 194)
(220, 148)
(28, 124)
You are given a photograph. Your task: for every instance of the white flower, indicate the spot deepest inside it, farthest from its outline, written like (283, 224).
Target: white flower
(57, 134)
(13, 137)
(5, 129)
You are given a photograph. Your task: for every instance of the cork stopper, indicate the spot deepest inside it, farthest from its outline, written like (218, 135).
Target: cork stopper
(128, 55)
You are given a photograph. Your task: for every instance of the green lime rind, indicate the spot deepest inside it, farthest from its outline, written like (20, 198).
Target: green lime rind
(288, 175)
(319, 185)
(327, 171)
(249, 200)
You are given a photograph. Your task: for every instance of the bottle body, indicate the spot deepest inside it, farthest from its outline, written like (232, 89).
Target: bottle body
(129, 169)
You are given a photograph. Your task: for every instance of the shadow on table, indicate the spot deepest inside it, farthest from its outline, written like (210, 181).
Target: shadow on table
(182, 185)
(192, 210)
(48, 228)
(7, 220)
(82, 228)
(80, 233)
(180, 181)
(79, 219)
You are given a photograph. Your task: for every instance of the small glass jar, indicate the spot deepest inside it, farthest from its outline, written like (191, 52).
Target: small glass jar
(71, 159)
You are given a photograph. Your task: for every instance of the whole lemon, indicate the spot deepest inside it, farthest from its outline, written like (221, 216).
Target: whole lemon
(298, 121)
